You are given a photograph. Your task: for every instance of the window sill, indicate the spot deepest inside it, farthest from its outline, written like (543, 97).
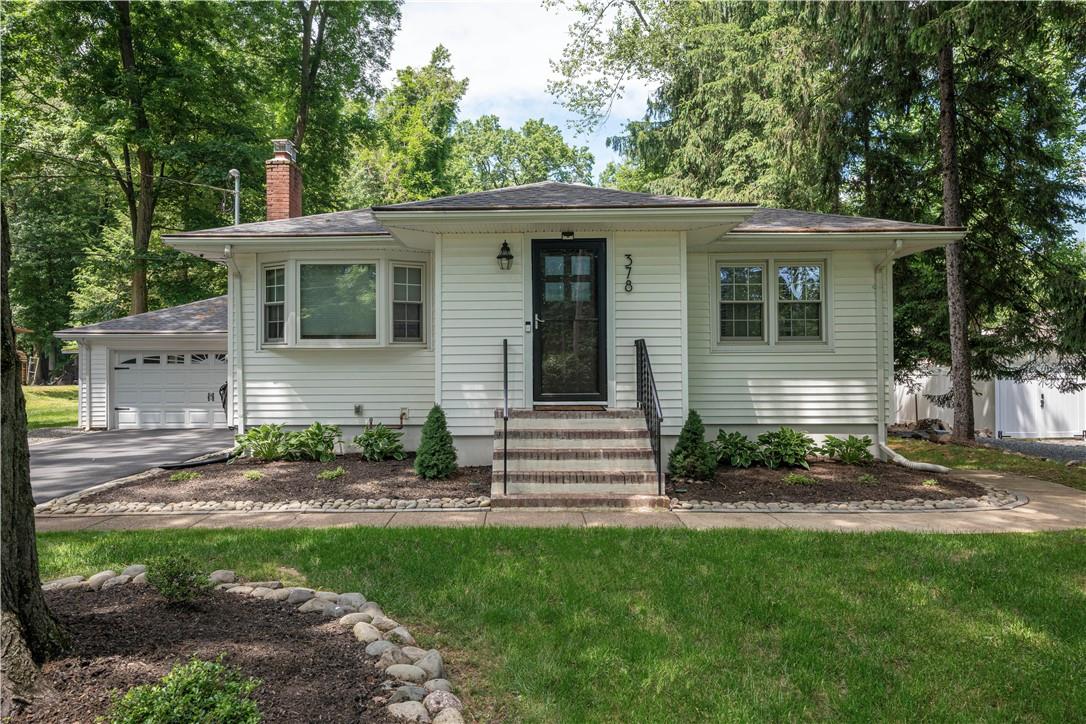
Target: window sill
(311, 345)
(779, 348)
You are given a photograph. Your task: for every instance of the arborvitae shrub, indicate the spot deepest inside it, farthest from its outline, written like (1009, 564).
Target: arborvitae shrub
(436, 456)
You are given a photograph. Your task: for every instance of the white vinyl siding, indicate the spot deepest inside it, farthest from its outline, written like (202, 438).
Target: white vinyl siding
(833, 383)
(99, 377)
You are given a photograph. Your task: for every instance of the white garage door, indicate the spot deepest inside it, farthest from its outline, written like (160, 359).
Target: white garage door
(1029, 409)
(168, 389)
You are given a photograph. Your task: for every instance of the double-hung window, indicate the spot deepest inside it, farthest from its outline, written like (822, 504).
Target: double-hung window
(275, 287)
(742, 302)
(770, 301)
(407, 305)
(799, 302)
(337, 301)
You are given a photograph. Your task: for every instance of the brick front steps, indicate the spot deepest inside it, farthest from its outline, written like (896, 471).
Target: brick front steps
(582, 501)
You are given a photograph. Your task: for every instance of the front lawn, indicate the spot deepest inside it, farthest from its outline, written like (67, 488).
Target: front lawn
(675, 625)
(51, 406)
(975, 457)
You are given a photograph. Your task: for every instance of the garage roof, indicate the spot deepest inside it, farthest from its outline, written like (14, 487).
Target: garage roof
(206, 316)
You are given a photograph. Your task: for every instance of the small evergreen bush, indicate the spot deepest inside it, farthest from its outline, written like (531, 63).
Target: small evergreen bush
(851, 451)
(786, 447)
(436, 456)
(692, 456)
(197, 691)
(178, 578)
(380, 443)
(316, 442)
(735, 449)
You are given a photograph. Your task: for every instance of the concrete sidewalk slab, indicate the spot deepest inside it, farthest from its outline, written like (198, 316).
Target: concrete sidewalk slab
(340, 520)
(535, 519)
(648, 519)
(147, 522)
(709, 521)
(451, 519)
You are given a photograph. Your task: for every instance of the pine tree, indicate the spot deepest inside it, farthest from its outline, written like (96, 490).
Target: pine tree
(692, 457)
(436, 456)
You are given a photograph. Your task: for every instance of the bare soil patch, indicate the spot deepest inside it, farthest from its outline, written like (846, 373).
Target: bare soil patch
(297, 480)
(835, 482)
(312, 670)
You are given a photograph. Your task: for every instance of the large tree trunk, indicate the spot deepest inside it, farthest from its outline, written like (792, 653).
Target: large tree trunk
(28, 631)
(961, 373)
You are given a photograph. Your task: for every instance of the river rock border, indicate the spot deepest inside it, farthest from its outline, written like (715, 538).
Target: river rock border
(418, 684)
(65, 506)
(996, 499)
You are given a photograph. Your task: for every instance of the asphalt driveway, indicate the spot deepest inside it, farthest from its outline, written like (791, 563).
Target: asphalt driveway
(64, 466)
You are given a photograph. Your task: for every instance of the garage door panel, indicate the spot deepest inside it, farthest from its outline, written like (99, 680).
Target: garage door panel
(168, 389)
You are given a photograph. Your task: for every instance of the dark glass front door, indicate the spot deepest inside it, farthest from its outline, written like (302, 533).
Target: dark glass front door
(569, 303)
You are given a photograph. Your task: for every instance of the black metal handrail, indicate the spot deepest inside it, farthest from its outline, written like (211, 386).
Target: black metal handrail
(505, 417)
(648, 400)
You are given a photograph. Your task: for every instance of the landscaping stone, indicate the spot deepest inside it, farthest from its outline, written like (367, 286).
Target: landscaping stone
(384, 623)
(995, 500)
(139, 578)
(406, 672)
(408, 692)
(279, 594)
(432, 664)
(354, 600)
(266, 584)
(376, 648)
(392, 657)
(116, 581)
(365, 633)
(414, 652)
(259, 591)
(223, 576)
(448, 716)
(98, 579)
(409, 711)
(62, 583)
(299, 595)
(328, 595)
(437, 685)
(437, 701)
(401, 636)
(134, 570)
(350, 619)
(315, 605)
(371, 608)
(240, 590)
(335, 611)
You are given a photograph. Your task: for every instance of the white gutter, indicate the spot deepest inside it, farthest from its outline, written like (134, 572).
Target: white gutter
(880, 341)
(235, 347)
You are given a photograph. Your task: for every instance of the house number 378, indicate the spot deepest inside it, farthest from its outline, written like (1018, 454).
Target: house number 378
(629, 270)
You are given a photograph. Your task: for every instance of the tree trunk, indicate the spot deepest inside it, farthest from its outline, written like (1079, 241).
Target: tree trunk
(29, 631)
(961, 374)
(310, 65)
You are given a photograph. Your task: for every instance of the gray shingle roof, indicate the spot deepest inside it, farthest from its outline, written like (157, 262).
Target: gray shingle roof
(337, 223)
(789, 220)
(204, 316)
(554, 195)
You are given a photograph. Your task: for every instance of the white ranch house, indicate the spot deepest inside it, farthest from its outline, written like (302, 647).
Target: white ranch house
(754, 317)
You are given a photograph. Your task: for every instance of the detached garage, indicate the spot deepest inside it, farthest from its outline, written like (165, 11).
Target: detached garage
(161, 369)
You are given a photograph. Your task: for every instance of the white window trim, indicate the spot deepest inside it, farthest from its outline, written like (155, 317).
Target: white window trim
(771, 342)
(262, 293)
(777, 301)
(393, 264)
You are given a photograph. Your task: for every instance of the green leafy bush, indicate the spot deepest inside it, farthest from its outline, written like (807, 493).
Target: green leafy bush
(799, 479)
(184, 476)
(332, 474)
(436, 456)
(197, 691)
(867, 479)
(316, 442)
(735, 449)
(253, 475)
(786, 447)
(851, 451)
(380, 443)
(178, 578)
(692, 456)
(263, 442)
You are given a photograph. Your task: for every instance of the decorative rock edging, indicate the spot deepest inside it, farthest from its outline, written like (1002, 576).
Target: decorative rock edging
(418, 686)
(70, 506)
(996, 499)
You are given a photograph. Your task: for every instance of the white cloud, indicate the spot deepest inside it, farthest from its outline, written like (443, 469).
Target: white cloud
(504, 49)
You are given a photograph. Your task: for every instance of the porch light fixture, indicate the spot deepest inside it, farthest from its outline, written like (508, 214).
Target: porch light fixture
(505, 257)
(567, 235)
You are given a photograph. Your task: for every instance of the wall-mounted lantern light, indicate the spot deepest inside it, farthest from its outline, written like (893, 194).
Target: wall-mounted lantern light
(505, 257)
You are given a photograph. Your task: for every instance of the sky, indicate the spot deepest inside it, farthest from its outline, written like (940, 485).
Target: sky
(504, 49)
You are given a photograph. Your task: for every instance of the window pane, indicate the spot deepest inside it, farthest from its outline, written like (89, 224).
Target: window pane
(338, 301)
(175, 359)
(407, 322)
(800, 320)
(151, 359)
(742, 283)
(741, 320)
(199, 359)
(407, 284)
(274, 285)
(801, 283)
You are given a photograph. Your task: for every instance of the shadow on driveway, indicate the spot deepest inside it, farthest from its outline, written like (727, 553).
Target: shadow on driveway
(64, 466)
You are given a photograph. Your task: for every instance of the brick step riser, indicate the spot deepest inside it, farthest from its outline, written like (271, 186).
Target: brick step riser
(572, 415)
(572, 434)
(597, 454)
(581, 501)
(571, 477)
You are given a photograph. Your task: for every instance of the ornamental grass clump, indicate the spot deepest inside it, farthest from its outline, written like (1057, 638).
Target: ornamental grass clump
(692, 456)
(436, 456)
(196, 691)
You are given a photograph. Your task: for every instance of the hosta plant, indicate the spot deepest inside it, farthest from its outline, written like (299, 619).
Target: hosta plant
(786, 447)
(263, 442)
(735, 449)
(316, 442)
(851, 451)
(380, 443)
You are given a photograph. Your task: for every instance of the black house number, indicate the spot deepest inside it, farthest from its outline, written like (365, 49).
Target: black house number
(629, 270)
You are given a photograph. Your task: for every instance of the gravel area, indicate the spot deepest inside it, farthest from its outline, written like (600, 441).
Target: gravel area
(44, 434)
(1063, 449)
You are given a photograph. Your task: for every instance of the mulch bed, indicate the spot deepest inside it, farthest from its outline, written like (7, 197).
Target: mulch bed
(311, 668)
(299, 481)
(836, 483)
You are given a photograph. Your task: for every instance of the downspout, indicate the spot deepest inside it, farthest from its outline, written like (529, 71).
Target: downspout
(880, 343)
(238, 343)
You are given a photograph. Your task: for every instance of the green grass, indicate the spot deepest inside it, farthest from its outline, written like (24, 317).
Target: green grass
(968, 457)
(605, 625)
(51, 406)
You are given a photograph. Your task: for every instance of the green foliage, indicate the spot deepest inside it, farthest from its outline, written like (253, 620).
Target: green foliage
(930, 483)
(197, 691)
(253, 475)
(867, 479)
(183, 476)
(851, 451)
(178, 577)
(380, 443)
(316, 442)
(799, 479)
(692, 457)
(332, 474)
(263, 442)
(436, 456)
(735, 449)
(786, 447)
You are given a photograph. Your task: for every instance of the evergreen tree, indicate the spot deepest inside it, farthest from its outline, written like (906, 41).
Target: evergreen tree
(692, 456)
(436, 456)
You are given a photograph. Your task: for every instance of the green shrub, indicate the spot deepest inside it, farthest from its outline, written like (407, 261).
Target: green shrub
(930, 483)
(197, 691)
(316, 442)
(252, 475)
(332, 474)
(178, 578)
(786, 447)
(867, 479)
(851, 451)
(436, 456)
(263, 442)
(184, 476)
(380, 443)
(799, 479)
(692, 456)
(735, 449)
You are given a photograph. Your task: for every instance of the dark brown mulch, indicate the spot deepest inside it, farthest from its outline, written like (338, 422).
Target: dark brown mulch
(299, 481)
(836, 483)
(312, 669)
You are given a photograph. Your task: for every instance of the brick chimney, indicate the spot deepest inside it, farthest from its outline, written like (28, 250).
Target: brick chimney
(284, 181)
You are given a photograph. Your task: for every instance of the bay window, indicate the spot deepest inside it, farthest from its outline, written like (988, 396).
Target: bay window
(275, 287)
(407, 314)
(337, 301)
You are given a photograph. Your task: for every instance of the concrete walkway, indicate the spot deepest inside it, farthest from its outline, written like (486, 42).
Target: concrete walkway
(1050, 507)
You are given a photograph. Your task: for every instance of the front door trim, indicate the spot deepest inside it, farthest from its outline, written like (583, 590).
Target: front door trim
(602, 296)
